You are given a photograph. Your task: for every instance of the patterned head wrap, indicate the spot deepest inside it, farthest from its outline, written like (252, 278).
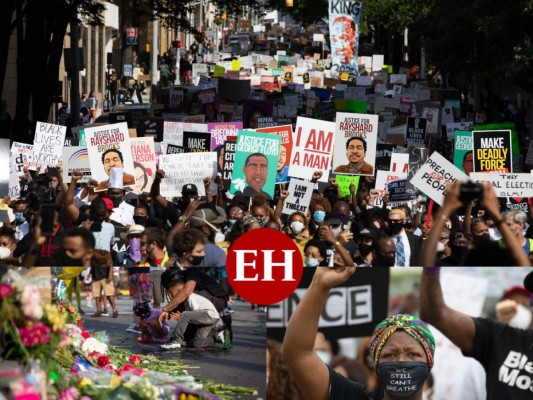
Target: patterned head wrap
(410, 325)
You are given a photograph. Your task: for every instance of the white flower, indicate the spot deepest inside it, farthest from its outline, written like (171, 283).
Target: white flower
(92, 345)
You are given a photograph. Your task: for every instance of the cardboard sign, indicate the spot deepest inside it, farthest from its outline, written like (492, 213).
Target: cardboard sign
(313, 146)
(144, 162)
(507, 185)
(462, 144)
(229, 159)
(23, 157)
(416, 131)
(109, 146)
(285, 152)
(435, 175)
(256, 159)
(76, 158)
(344, 182)
(492, 151)
(221, 130)
(355, 144)
(197, 141)
(377, 62)
(300, 193)
(48, 144)
(181, 169)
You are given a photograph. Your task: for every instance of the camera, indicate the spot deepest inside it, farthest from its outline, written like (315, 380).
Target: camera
(470, 191)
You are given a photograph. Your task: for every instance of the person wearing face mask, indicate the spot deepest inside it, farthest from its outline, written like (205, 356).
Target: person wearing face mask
(333, 224)
(122, 211)
(514, 308)
(516, 221)
(458, 244)
(315, 253)
(234, 213)
(365, 240)
(383, 252)
(19, 223)
(408, 245)
(317, 209)
(503, 351)
(400, 342)
(8, 244)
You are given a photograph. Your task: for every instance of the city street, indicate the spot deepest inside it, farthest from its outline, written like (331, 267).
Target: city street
(243, 365)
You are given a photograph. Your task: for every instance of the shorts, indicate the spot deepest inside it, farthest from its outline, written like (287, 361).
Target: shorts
(98, 286)
(158, 290)
(141, 287)
(116, 280)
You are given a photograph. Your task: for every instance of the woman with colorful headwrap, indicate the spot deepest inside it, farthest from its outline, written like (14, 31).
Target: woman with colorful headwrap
(402, 349)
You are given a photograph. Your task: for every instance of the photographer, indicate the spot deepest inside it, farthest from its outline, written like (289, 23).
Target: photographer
(485, 254)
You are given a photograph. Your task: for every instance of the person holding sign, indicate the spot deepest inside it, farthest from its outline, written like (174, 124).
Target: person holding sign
(255, 171)
(113, 158)
(400, 342)
(355, 153)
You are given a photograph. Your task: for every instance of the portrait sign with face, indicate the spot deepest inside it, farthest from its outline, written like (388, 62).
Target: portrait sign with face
(354, 152)
(463, 156)
(144, 163)
(109, 146)
(344, 34)
(256, 160)
(285, 151)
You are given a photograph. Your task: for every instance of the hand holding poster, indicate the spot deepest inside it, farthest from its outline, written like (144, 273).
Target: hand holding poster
(492, 151)
(285, 151)
(254, 169)
(435, 175)
(109, 146)
(48, 144)
(355, 143)
(313, 145)
(300, 193)
(23, 155)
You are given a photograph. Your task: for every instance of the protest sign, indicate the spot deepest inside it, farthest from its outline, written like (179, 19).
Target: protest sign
(446, 116)
(76, 158)
(194, 119)
(398, 169)
(205, 96)
(181, 169)
(399, 79)
(176, 97)
(197, 141)
(344, 182)
(492, 151)
(435, 175)
(234, 89)
(48, 144)
(418, 155)
(416, 131)
(151, 127)
(344, 35)
(300, 193)
(13, 190)
(173, 149)
(228, 160)
(199, 69)
(356, 305)
(6, 165)
(312, 145)
(109, 146)
(384, 102)
(462, 144)
(515, 204)
(256, 159)
(221, 130)
(266, 122)
(457, 126)
(285, 152)
(173, 132)
(356, 106)
(144, 161)
(355, 144)
(515, 144)
(507, 185)
(377, 62)
(384, 152)
(432, 116)
(23, 157)
(399, 192)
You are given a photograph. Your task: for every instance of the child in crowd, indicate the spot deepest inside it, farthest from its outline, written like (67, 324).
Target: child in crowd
(151, 330)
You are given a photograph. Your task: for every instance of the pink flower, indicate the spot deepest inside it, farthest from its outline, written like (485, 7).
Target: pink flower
(5, 290)
(138, 371)
(135, 359)
(36, 335)
(31, 302)
(85, 398)
(69, 394)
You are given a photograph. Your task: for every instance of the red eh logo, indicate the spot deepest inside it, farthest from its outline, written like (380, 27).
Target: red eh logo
(264, 266)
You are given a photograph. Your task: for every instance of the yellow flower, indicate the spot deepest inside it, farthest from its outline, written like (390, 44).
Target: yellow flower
(85, 382)
(56, 319)
(114, 382)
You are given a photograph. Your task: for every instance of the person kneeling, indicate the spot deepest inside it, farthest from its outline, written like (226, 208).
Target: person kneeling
(151, 330)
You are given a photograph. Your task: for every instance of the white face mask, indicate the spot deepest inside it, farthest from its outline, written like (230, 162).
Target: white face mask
(297, 227)
(4, 253)
(522, 318)
(219, 237)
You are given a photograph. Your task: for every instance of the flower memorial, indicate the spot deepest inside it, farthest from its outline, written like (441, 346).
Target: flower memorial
(78, 364)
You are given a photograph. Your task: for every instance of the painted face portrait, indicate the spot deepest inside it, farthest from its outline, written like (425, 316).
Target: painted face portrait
(282, 157)
(355, 151)
(256, 171)
(140, 181)
(112, 160)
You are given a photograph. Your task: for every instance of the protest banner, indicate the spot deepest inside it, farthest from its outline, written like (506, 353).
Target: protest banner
(507, 185)
(344, 182)
(181, 169)
(398, 169)
(384, 153)
(492, 151)
(462, 144)
(435, 175)
(285, 151)
(13, 190)
(515, 143)
(197, 141)
(221, 130)
(417, 157)
(23, 157)
(76, 158)
(173, 132)
(144, 162)
(457, 126)
(344, 35)
(432, 115)
(356, 305)
(109, 146)
(355, 143)
(199, 69)
(48, 144)
(176, 97)
(399, 192)
(300, 193)
(313, 146)
(256, 160)
(416, 131)
(228, 160)
(173, 149)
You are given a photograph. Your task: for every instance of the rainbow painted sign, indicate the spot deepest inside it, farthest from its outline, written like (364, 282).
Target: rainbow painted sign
(76, 158)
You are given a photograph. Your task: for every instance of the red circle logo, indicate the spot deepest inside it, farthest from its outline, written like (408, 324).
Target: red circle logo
(264, 266)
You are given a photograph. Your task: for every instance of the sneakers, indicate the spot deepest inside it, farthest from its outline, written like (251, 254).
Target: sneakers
(105, 313)
(89, 305)
(171, 344)
(115, 314)
(227, 339)
(229, 311)
(98, 314)
(133, 328)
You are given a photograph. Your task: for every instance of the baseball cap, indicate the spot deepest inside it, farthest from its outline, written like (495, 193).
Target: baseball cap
(332, 219)
(134, 230)
(108, 203)
(368, 233)
(189, 188)
(206, 216)
(515, 289)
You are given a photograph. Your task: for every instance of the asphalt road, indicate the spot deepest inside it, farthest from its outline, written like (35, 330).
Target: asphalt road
(243, 365)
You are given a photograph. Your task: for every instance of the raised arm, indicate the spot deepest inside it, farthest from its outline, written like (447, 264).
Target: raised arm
(279, 207)
(182, 223)
(72, 210)
(308, 370)
(155, 191)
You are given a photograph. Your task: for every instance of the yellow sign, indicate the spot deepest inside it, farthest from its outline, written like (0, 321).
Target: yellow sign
(218, 71)
(345, 76)
(236, 65)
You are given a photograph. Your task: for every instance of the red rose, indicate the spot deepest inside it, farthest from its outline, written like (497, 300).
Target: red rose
(138, 371)
(135, 359)
(85, 335)
(103, 361)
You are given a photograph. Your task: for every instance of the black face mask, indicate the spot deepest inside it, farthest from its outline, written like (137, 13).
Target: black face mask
(459, 252)
(383, 261)
(402, 379)
(140, 220)
(116, 201)
(364, 249)
(196, 260)
(67, 261)
(482, 240)
(396, 228)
